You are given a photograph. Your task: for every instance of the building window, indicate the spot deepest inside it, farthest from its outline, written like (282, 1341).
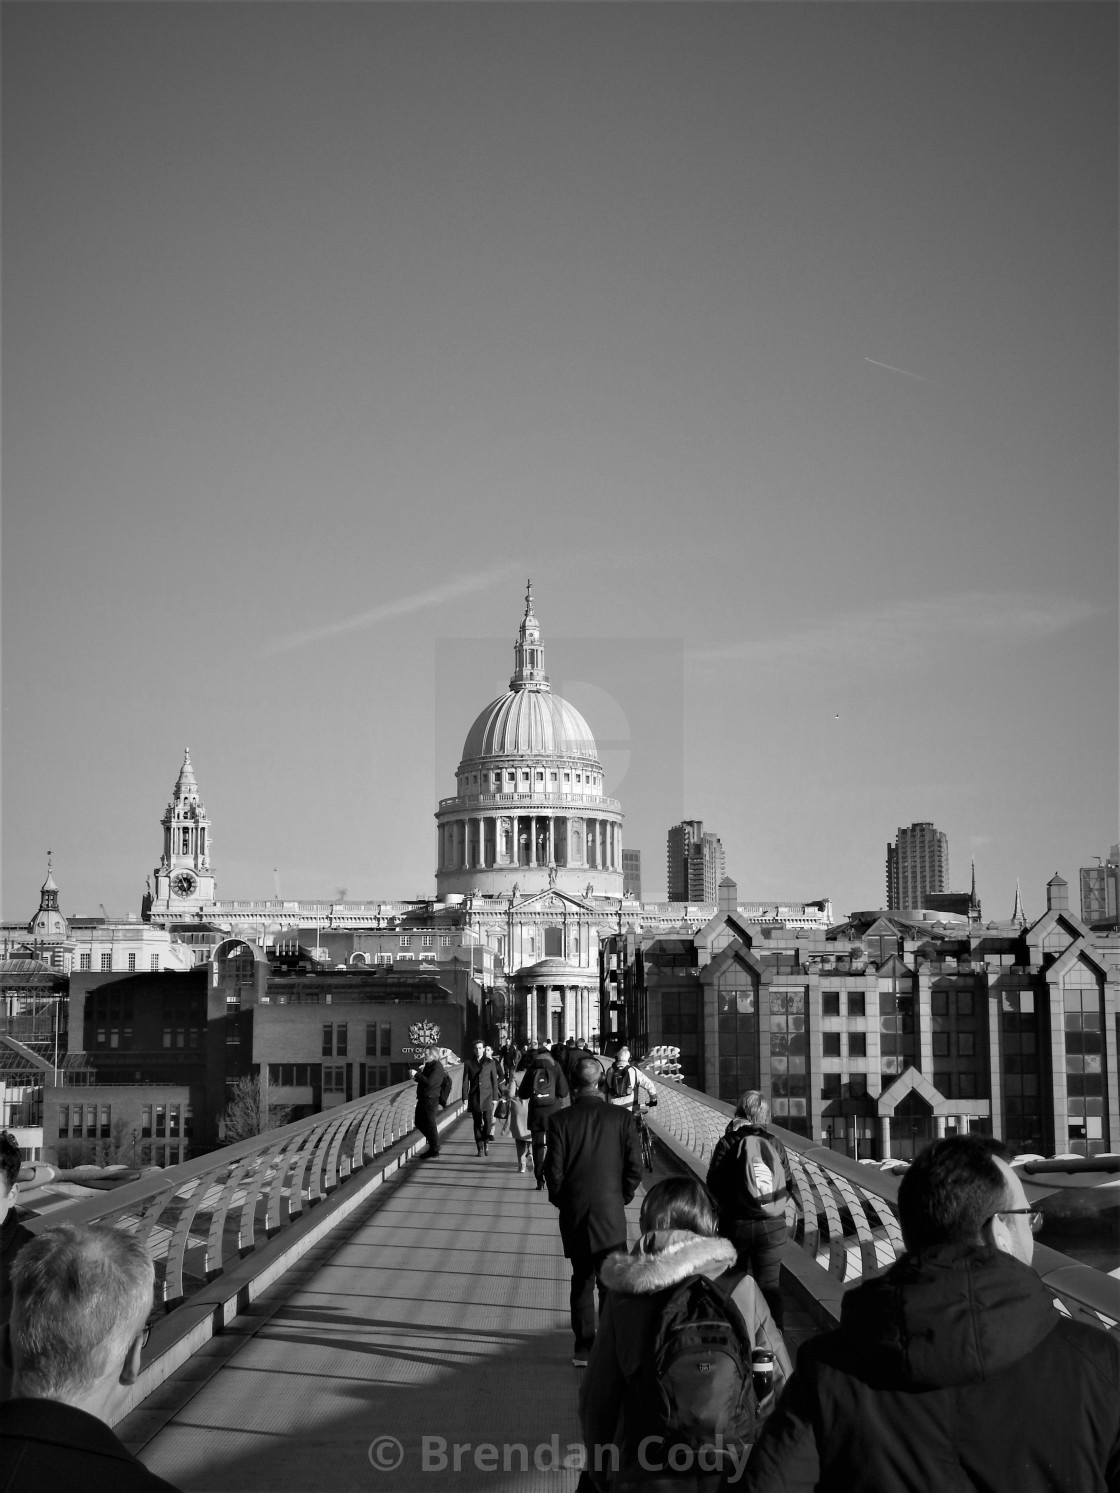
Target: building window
(405, 941)
(132, 964)
(106, 961)
(941, 1044)
(830, 1044)
(146, 1120)
(385, 1039)
(857, 1045)
(965, 1044)
(106, 1120)
(64, 1119)
(830, 1086)
(328, 1039)
(84, 961)
(173, 1119)
(155, 963)
(857, 1003)
(161, 1120)
(334, 1078)
(340, 1039)
(830, 1003)
(427, 941)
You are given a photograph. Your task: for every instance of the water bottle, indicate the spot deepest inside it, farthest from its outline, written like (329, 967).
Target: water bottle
(762, 1371)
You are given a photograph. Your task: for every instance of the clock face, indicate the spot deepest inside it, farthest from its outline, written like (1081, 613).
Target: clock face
(183, 884)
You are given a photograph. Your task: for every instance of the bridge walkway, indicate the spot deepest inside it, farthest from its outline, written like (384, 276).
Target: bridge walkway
(438, 1311)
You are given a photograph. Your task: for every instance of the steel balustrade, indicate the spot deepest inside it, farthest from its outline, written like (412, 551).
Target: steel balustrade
(843, 1214)
(203, 1216)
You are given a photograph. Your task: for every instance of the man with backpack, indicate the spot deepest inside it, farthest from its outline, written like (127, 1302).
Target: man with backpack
(749, 1177)
(433, 1090)
(545, 1087)
(593, 1170)
(623, 1081)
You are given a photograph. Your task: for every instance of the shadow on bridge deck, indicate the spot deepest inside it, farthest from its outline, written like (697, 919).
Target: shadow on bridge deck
(439, 1311)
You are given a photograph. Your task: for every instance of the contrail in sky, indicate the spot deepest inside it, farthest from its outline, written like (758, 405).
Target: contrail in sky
(466, 585)
(904, 371)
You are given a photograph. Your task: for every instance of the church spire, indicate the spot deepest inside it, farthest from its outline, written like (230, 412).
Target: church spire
(1017, 913)
(528, 654)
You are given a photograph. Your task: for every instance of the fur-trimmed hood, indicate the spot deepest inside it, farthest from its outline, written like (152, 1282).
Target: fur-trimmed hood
(664, 1259)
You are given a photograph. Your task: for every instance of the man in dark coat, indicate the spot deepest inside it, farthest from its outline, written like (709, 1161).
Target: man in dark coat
(433, 1088)
(546, 1088)
(480, 1092)
(13, 1236)
(952, 1369)
(593, 1168)
(81, 1298)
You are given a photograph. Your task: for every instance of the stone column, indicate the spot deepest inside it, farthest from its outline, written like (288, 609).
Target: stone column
(884, 1124)
(532, 839)
(939, 1121)
(551, 841)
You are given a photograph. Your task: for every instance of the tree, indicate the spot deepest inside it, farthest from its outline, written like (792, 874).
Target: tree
(249, 1113)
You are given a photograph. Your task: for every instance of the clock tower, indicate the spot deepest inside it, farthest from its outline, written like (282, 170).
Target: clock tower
(184, 880)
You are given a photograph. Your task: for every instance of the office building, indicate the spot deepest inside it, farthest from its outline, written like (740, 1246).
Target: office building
(632, 874)
(695, 863)
(1100, 892)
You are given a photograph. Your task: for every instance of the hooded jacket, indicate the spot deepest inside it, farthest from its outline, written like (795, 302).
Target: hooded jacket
(638, 1286)
(952, 1370)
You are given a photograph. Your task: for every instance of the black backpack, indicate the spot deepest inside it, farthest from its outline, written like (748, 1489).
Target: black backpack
(445, 1090)
(618, 1081)
(544, 1082)
(697, 1380)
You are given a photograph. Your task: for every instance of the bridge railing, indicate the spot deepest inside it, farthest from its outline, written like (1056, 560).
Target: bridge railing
(843, 1218)
(204, 1215)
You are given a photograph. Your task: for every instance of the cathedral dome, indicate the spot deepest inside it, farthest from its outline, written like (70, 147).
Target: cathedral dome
(531, 723)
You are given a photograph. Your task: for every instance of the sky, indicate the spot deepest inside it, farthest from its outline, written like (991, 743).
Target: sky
(776, 342)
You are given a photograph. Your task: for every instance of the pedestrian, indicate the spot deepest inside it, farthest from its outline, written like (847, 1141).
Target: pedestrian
(623, 1082)
(545, 1087)
(480, 1091)
(951, 1369)
(433, 1090)
(13, 1236)
(81, 1297)
(749, 1177)
(593, 1168)
(622, 1398)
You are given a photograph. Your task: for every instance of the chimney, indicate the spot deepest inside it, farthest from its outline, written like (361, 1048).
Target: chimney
(728, 896)
(1057, 894)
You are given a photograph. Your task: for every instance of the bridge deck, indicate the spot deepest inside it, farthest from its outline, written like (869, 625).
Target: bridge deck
(439, 1311)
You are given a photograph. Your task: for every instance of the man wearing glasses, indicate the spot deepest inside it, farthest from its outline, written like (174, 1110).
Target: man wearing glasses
(951, 1369)
(81, 1298)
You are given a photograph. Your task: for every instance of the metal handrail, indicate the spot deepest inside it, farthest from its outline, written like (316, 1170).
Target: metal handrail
(844, 1213)
(202, 1216)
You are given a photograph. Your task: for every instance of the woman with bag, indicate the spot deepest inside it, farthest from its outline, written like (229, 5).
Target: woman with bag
(639, 1377)
(749, 1177)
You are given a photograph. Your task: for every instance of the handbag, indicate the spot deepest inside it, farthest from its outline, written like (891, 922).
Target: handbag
(519, 1120)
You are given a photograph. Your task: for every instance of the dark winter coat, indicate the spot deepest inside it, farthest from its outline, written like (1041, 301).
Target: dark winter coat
(592, 1170)
(46, 1445)
(726, 1181)
(429, 1083)
(613, 1408)
(952, 1370)
(480, 1082)
(541, 1109)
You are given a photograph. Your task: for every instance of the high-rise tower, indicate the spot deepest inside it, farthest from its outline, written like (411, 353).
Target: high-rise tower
(917, 864)
(695, 863)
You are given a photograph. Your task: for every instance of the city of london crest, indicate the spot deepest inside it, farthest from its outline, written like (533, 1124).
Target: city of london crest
(423, 1033)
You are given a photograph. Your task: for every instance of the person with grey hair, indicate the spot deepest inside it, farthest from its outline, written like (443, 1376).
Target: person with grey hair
(749, 1177)
(81, 1299)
